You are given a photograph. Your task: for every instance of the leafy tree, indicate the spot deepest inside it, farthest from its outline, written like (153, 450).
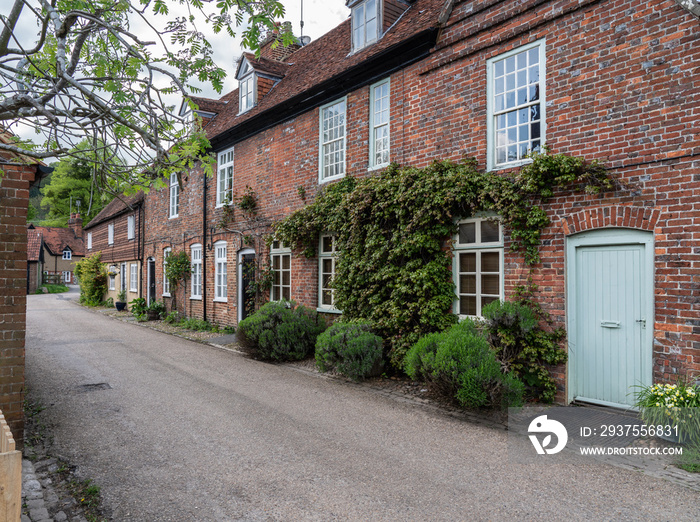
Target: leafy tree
(73, 181)
(92, 72)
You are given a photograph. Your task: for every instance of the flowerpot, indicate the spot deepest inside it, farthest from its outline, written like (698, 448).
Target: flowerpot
(152, 315)
(119, 306)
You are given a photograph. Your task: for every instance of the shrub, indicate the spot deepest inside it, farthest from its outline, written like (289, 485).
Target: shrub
(158, 307)
(280, 331)
(93, 279)
(460, 363)
(523, 346)
(138, 307)
(350, 348)
(172, 318)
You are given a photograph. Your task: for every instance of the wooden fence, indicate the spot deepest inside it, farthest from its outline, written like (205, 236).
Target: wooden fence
(10, 475)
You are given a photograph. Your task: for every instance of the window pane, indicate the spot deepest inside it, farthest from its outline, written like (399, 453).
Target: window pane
(327, 266)
(490, 262)
(467, 262)
(467, 284)
(327, 244)
(490, 284)
(486, 300)
(326, 298)
(285, 278)
(286, 293)
(467, 233)
(467, 305)
(286, 262)
(489, 232)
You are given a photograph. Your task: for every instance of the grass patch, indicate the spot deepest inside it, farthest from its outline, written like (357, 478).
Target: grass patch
(690, 460)
(52, 289)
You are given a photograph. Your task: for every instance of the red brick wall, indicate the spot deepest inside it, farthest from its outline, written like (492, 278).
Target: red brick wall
(621, 87)
(14, 198)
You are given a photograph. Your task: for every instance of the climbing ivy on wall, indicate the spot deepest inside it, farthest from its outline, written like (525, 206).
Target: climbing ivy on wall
(394, 228)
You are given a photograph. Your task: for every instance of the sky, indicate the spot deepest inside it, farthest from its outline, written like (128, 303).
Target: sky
(320, 16)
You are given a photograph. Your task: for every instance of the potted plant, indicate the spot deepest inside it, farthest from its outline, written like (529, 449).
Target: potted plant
(120, 304)
(155, 310)
(672, 409)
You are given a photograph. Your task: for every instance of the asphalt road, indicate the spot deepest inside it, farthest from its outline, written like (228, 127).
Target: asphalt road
(191, 432)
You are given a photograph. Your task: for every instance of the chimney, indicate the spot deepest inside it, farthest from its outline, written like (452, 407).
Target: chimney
(279, 53)
(75, 223)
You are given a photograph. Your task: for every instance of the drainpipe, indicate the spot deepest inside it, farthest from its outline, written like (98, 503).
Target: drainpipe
(204, 248)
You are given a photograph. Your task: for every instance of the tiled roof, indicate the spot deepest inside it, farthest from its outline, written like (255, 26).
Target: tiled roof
(116, 207)
(267, 66)
(207, 105)
(57, 239)
(33, 244)
(326, 58)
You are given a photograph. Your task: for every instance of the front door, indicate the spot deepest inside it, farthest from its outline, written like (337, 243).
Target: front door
(151, 295)
(610, 315)
(246, 275)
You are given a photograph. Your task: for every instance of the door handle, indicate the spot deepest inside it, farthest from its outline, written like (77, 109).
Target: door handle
(643, 322)
(610, 324)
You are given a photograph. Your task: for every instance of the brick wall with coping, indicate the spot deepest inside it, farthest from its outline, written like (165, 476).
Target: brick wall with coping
(14, 199)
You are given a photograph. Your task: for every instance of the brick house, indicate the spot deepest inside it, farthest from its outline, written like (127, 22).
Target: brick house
(117, 232)
(413, 82)
(35, 260)
(61, 249)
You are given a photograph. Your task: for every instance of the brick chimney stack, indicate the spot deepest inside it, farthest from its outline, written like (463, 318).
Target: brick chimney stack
(75, 223)
(279, 53)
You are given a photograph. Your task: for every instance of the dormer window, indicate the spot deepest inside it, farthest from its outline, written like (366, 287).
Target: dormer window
(365, 23)
(246, 87)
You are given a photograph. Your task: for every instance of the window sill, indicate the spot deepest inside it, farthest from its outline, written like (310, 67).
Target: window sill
(220, 300)
(321, 181)
(378, 167)
(329, 311)
(174, 217)
(511, 165)
(166, 295)
(196, 298)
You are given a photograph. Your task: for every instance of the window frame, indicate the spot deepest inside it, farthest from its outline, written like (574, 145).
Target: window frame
(479, 247)
(322, 144)
(67, 254)
(373, 127)
(279, 250)
(220, 287)
(89, 240)
(250, 80)
(228, 169)
(196, 278)
(325, 256)
(491, 163)
(166, 283)
(357, 46)
(66, 276)
(130, 227)
(110, 234)
(133, 277)
(174, 200)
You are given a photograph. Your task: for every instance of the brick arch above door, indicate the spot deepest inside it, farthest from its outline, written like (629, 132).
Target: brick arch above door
(624, 216)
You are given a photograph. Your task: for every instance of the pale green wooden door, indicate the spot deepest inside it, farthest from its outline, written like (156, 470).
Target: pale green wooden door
(609, 342)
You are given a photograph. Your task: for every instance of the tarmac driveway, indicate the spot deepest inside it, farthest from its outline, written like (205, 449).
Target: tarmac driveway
(175, 430)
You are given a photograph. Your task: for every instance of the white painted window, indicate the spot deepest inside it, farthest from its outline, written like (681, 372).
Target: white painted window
(112, 278)
(67, 254)
(332, 138)
(281, 259)
(66, 277)
(478, 265)
(516, 105)
(365, 23)
(110, 234)
(220, 272)
(89, 240)
(246, 93)
(224, 183)
(174, 196)
(327, 257)
(196, 280)
(130, 227)
(166, 281)
(133, 277)
(379, 124)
